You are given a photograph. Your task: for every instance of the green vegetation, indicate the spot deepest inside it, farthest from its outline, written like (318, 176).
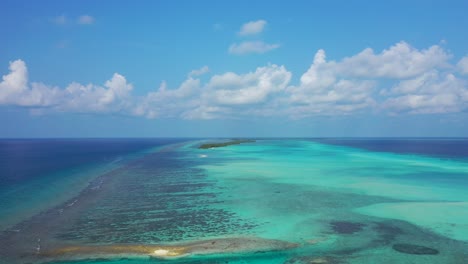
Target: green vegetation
(224, 144)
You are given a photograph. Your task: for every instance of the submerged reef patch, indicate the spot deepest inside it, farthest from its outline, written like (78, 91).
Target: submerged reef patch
(345, 227)
(414, 249)
(387, 232)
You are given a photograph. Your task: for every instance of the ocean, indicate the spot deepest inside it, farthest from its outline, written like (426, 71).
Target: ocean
(337, 200)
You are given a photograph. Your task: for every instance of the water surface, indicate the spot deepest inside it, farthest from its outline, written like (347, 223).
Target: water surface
(269, 201)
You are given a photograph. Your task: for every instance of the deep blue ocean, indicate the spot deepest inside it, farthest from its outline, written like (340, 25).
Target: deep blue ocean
(22, 160)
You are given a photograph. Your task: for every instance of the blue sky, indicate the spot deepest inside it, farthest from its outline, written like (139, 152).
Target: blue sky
(233, 68)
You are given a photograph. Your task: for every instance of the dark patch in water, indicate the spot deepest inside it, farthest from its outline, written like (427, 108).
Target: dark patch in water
(387, 232)
(414, 249)
(345, 227)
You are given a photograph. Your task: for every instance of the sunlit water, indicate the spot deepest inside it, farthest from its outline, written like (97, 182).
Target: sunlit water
(333, 201)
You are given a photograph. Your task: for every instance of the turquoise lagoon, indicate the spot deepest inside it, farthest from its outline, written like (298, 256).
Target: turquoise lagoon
(280, 201)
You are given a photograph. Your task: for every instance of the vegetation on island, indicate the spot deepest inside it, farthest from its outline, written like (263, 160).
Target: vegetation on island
(224, 144)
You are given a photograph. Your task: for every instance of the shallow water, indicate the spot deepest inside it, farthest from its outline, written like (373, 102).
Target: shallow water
(335, 203)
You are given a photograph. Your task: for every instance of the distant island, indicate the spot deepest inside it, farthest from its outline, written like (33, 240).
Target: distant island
(224, 144)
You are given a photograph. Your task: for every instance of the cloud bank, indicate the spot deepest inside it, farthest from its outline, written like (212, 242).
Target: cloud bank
(398, 80)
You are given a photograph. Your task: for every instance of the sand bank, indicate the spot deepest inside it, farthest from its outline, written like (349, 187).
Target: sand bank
(177, 250)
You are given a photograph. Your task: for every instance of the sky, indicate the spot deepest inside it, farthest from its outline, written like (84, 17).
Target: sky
(233, 68)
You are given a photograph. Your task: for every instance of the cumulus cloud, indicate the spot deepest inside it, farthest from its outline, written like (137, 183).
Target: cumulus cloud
(432, 92)
(422, 83)
(397, 80)
(399, 61)
(85, 20)
(222, 96)
(165, 102)
(15, 90)
(16, 81)
(232, 95)
(251, 47)
(254, 87)
(199, 72)
(322, 90)
(111, 97)
(252, 27)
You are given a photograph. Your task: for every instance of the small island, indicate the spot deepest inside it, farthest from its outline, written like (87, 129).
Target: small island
(224, 144)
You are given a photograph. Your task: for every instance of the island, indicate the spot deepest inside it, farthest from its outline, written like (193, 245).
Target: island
(224, 144)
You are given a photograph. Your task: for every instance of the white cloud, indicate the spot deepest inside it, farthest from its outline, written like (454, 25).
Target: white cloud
(399, 61)
(14, 88)
(232, 95)
(199, 72)
(432, 92)
(251, 47)
(323, 91)
(112, 97)
(365, 82)
(320, 74)
(424, 104)
(85, 20)
(166, 102)
(252, 27)
(414, 85)
(353, 84)
(254, 87)
(15, 83)
(463, 65)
